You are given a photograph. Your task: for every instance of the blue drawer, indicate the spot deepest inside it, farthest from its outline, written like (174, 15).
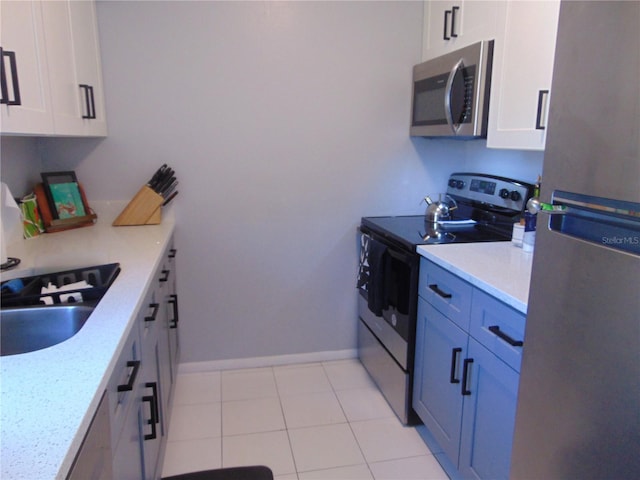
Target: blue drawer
(498, 327)
(448, 293)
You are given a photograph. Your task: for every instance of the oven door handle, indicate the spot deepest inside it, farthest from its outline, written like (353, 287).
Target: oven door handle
(407, 258)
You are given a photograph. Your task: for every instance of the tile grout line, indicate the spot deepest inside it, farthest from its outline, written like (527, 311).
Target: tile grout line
(366, 462)
(286, 427)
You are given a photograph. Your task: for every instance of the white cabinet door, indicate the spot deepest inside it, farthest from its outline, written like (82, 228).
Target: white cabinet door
(86, 47)
(450, 25)
(65, 98)
(522, 72)
(24, 58)
(51, 57)
(74, 68)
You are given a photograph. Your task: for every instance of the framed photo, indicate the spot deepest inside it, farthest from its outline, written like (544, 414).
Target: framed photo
(63, 194)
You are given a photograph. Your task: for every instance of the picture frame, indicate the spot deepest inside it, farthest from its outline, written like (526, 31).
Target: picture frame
(63, 195)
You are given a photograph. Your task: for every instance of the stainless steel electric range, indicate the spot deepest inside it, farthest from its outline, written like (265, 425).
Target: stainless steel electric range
(483, 208)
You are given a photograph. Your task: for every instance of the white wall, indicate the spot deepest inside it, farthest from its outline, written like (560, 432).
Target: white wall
(286, 123)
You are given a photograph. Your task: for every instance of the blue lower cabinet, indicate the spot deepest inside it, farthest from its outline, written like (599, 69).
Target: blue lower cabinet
(463, 391)
(436, 390)
(488, 416)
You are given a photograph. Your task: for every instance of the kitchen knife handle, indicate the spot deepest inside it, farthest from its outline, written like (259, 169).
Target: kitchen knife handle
(465, 376)
(454, 364)
(495, 329)
(434, 287)
(152, 317)
(127, 387)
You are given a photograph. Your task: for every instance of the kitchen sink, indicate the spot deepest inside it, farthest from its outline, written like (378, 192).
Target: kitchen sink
(27, 329)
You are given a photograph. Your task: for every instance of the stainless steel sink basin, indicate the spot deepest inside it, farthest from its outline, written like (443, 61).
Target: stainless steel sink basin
(27, 329)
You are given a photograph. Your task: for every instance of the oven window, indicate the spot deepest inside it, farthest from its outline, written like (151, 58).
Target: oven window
(399, 286)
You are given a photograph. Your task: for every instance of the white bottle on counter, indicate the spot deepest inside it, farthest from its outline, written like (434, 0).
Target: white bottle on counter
(529, 237)
(518, 235)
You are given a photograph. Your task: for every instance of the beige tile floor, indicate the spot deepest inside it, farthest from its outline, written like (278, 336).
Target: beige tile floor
(322, 421)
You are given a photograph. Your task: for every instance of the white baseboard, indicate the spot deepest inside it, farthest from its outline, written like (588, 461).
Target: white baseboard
(257, 362)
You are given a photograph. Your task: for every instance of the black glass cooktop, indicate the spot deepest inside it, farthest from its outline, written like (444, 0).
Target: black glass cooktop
(412, 230)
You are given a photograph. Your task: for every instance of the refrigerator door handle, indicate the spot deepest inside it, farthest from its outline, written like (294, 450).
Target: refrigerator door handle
(601, 221)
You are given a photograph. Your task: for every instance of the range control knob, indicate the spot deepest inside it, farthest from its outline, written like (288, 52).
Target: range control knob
(504, 193)
(453, 182)
(459, 184)
(515, 195)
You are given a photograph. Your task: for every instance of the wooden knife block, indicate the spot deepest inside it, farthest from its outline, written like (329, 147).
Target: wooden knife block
(143, 209)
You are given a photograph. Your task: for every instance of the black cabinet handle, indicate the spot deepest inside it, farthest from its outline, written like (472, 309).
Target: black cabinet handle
(165, 276)
(153, 434)
(4, 88)
(174, 302)
(541, 95)
(465, 375)
(434, 287)
(454, 364)
(153, 407)
(152, 317)
(495, 329)
(453, 21)
(89, 101)
(172, 253)
(446, 24)
(93, 103)
(154, 389)
(127, 387)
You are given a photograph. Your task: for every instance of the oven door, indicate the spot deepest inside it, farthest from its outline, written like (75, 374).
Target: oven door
(394, 325)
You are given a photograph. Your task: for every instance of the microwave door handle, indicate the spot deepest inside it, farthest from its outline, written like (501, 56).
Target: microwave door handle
(447, 96)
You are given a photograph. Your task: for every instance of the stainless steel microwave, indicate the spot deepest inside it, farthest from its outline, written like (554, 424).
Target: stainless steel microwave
(451, 93)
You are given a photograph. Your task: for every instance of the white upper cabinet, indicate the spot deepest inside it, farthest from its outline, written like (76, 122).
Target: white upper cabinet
(74, 68)
(86, 47)
(450, 25)
(522, 73)
(25, 104)
(72, 74)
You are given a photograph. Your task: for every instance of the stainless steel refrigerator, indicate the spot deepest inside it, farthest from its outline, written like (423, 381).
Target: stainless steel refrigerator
(578, 413)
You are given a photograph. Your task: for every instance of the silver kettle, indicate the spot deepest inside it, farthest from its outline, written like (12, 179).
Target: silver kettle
(440, 210)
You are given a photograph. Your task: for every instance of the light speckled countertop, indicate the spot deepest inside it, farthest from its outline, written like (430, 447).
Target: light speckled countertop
(498, 268)
(48, 397)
